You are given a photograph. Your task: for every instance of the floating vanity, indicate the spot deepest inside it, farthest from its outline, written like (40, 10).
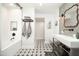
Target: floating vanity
(65, 45)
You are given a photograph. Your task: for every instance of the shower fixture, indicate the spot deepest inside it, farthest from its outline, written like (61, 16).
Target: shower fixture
(19, 5)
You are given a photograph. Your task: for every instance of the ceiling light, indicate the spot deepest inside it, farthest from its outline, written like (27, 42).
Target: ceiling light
(11, 4)
(41, 4)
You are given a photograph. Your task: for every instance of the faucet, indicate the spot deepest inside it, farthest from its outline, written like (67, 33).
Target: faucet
(13, 34)
(12, 38)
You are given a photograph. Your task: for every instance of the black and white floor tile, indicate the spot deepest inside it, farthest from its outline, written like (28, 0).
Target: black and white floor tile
(39, 50)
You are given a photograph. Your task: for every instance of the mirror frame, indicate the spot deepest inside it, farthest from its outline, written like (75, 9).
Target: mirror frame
(76, 17)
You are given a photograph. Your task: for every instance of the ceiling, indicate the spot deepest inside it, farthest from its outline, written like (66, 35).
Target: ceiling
(42, 7)
(48, 7)
(39, 7)
(10, 5)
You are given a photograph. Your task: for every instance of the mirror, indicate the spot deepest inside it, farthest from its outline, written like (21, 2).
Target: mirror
(71, 17)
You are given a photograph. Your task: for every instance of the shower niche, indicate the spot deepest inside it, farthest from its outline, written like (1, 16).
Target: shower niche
(13, 28)
(13, 25)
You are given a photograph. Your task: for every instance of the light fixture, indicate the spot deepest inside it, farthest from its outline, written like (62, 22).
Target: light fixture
(41, 4)
(11, 4)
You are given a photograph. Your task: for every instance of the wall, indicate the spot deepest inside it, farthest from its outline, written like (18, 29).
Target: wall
(61, 27)
(53, 17)
(10, 14)
(29, 43)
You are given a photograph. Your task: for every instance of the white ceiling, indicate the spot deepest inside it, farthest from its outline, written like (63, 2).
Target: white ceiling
(10, 5)
(39, 8)
(43, 7)
(48, 8)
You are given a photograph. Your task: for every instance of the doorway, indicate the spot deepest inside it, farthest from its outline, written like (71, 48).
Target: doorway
(39, 32)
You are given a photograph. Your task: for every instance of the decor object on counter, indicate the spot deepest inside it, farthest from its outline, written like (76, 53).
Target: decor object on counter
(69, 15)
(74, 35)
(13, 25)
(25, 32)
(77, 35)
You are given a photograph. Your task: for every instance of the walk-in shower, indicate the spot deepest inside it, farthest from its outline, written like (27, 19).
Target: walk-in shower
(18, 32)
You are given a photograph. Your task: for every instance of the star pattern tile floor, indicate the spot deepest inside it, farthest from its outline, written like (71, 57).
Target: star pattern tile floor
(39, 50)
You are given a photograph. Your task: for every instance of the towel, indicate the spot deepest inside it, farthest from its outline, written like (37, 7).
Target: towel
(29, 31)
(24, 30)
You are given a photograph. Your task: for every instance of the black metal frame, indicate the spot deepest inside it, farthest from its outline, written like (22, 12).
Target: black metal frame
(19, 5)
(63, 15)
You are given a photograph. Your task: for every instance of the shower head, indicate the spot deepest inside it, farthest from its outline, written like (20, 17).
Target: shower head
(27, 19)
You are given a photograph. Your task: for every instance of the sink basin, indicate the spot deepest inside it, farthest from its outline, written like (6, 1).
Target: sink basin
(71, 42)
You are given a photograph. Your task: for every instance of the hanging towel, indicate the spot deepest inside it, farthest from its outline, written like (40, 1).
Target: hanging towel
(29, 31)
(24, 29)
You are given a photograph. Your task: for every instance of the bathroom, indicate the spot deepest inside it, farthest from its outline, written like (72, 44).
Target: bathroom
(44, 21)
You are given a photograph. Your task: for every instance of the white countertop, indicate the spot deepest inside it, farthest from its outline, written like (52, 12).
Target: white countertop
(71, 42)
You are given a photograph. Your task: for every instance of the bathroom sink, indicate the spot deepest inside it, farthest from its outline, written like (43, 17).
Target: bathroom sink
(69, 41)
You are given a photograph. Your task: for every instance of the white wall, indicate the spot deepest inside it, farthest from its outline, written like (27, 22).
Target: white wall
(29, 43)
(50, 17)
(9, 14)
